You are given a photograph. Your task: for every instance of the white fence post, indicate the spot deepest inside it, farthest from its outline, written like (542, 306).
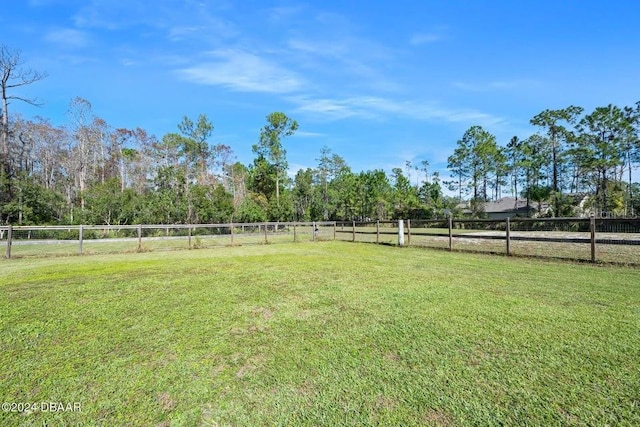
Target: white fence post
(80, 238)
(400, 232)
(9, 237)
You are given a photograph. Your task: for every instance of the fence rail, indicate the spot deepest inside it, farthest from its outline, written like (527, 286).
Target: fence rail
(25, 241)
(589, 239)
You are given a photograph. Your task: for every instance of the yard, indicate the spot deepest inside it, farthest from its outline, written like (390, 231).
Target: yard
(325, 333)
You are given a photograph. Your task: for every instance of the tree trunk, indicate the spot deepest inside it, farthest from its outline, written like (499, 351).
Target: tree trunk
(277, 188)
(555, 176)
(4, 132)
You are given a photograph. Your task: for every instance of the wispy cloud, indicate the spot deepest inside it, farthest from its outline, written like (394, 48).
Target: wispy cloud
(370, 107)
(306, 134)
(179, 32)
(333, 109)
(284, 13)
(243, 71)
(206, 27)
(179, 19)
(425, 38)
(110, 15)
(358, 62)
(295, 167)
(68, 38)
(497, 85)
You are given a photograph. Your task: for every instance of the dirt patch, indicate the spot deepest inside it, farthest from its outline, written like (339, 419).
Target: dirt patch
(218, 369)
(166, 402)
(392, 357)
(264, 312)
(569, 417)
(439, 418)
(386, 403)
(257, 329)
(251, 364)
(306, 389)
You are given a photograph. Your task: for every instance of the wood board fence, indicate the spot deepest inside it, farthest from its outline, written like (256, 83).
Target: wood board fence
(587, 239)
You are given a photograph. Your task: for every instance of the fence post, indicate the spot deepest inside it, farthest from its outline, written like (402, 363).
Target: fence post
(9, 238)
(189, 234)
(378, 232)
(80, 238)
(335, 226)
(450, 233)
(592, 230)
(508, 229)
(139, 237)
(400, 232)
(408, 232)
(265, 233)
(354, 232)
(315, 231)
(231, 228)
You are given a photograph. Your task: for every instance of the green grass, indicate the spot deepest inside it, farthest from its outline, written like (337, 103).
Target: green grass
(330, 333)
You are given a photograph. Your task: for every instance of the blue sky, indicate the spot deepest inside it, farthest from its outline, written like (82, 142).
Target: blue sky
(378, 82)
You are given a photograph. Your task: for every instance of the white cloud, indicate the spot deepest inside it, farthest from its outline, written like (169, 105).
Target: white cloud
(294, 168)
(335, 50)
(243, 71)
(283, 13)
(497, 85)
(179, 19)
(68, 38)
(182, 32)
(305, 134)
(333, 109)
(208, 28)
(425, 38)
(371, 107)
(350, 60)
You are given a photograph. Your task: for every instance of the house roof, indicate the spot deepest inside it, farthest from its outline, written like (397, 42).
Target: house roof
(507, 204)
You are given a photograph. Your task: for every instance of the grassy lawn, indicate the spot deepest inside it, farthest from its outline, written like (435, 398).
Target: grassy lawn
(328, 333)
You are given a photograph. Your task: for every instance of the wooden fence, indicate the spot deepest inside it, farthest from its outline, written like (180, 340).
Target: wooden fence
(24, 241)
(588, 239)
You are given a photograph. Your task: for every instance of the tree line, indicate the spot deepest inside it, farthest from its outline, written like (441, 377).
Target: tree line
(590, 157)
(88, 171)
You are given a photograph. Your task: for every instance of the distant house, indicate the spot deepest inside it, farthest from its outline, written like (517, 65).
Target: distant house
(509, 207)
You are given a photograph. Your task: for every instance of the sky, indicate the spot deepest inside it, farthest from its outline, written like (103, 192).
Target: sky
(378, 82)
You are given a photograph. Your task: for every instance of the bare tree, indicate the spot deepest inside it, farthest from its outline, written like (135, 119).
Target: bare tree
(90, 134)
(13, 74)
